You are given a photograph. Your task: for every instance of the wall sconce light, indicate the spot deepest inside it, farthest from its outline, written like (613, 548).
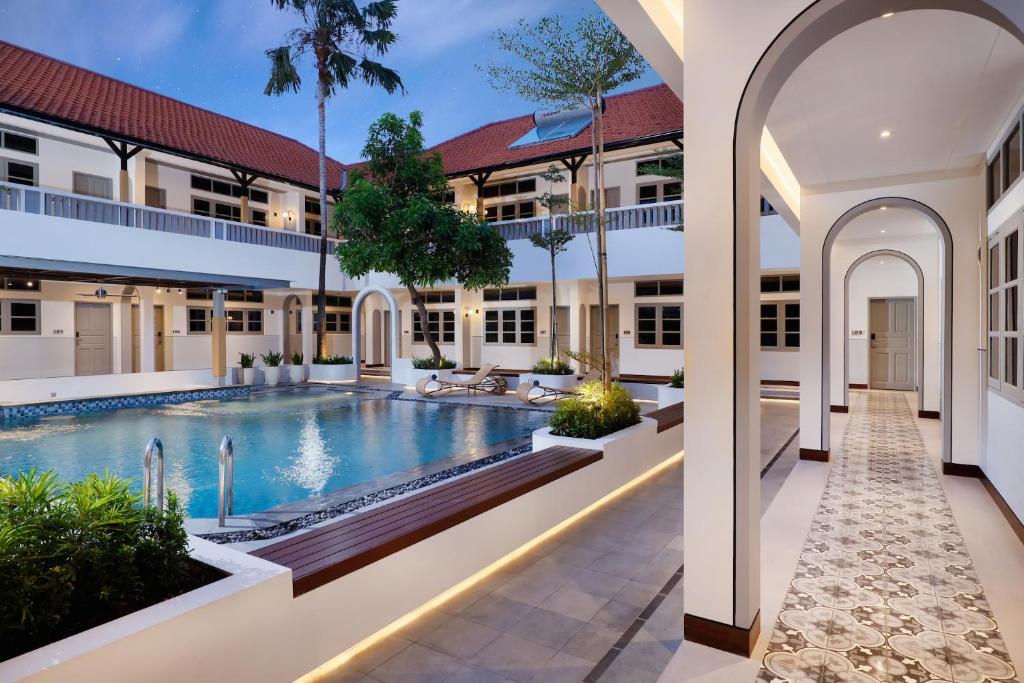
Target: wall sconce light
(289, 215)
(470, 311)
(469, 207)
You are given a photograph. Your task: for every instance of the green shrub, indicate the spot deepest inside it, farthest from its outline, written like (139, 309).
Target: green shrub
(677, 379)
(272, 359)
(73, 556)
(594, 412)
(427, 363)
(551, 366)
(296, 358)
(333, 360)
(247, 360)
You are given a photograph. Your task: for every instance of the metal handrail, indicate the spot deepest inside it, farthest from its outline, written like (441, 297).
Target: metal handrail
(147, 475)
(226, 481)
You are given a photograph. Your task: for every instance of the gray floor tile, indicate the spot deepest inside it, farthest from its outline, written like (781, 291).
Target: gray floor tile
(514, 657)
(381, 651)
(496, 612)
(616, 616)
(637, 593)
(592, 642)
(528, 589)
(417, 664)
(597, 583)
(547, 628)
(574, 603)
(460, 637)
(564, 668)
(475, 674)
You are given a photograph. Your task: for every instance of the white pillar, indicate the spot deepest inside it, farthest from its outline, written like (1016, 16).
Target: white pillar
(308, 312)
(147, 339)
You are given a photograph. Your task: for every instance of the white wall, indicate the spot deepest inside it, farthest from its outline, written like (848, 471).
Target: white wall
(876, 278)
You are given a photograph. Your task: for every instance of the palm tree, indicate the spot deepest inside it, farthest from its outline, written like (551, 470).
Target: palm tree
(341, 38)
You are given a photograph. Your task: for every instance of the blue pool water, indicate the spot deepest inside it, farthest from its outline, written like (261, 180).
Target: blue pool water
(289, 445)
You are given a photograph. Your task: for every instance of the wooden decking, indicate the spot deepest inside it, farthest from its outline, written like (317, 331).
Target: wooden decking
(667, 417)
(330, 552)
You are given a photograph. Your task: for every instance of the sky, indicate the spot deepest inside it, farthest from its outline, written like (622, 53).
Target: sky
(210, 53)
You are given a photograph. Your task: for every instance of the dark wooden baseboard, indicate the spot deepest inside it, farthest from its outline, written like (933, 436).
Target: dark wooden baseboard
(839, 409)
(929, 415)
(1004, 507)
(813, 454)
(782, 382)
(858, 386)
(959, 470)
(735, 639)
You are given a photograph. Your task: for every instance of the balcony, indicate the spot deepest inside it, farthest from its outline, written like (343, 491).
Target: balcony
(660, 215)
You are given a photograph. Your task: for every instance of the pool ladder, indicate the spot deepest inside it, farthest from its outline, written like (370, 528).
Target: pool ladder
(226, 481)
(154, 446)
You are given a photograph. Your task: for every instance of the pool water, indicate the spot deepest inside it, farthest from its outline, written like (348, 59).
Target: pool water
(289, 445)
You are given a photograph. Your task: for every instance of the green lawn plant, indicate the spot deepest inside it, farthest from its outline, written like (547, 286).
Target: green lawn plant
(246, 360)
(428, 363)
(677, 379)
(272, 359)
(595, 412)
(296, 358)
(551, 366)
(332, 360)
(73, 556)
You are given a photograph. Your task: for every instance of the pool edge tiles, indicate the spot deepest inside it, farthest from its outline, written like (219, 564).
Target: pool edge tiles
(101, 404)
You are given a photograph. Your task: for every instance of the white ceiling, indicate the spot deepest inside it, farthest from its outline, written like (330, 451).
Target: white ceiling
(896, 223)
(941, 81)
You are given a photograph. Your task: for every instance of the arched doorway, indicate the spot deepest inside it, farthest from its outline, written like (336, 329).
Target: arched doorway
(919, 324)
(357, 325)
(946, 261)
(291, 321)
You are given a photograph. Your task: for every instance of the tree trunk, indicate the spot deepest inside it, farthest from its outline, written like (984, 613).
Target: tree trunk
(597, 137)
(417, 301)
(554, 307)
(321, 293)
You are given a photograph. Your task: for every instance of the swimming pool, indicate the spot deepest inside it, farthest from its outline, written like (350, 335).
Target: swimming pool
(289, 445)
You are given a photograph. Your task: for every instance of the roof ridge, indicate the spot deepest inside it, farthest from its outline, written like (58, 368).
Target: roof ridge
(164, 97)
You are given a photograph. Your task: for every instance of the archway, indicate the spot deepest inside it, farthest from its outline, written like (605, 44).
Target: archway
(291, 339)
(357, 325)
(916, 267)
(377, 355)
(946, 259)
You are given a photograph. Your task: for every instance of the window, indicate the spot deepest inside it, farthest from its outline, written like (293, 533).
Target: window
(1006, 332)
(509, 212)
(346, 301)
(440, 324)
(659, 325)
(224, 212)
(236, 320)
(436, 297)
(511, 294)
(254, 321)
(252, 296)
(21, 284)
(669, 191)
(339, 322)
(156, 197)
(199, 294)
(199, 320)
(258, 217)
(659, 288)
(780, 283)
(18, 172)
(19, 317)
(227, 189)
(510, 326)
(449, 196)
(780, 326)
(657, 166)
(20, 143)
(1011, 151)
(647, 194)
(509, 187)
(92, 185)
(995, 179)
(766, 208)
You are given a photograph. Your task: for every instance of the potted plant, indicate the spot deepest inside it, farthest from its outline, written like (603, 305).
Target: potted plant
(247, 361)
(332, 369)
(672, 392)
(297, 371)
(425, 367)
(272, 371)
(551, 372)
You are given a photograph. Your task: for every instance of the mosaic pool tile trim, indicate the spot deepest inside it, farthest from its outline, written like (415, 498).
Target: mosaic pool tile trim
(885, 589)
(305, 521)
(87, 405)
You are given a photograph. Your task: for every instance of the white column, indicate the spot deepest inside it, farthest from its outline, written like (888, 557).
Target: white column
(147, 358)
(308, 311)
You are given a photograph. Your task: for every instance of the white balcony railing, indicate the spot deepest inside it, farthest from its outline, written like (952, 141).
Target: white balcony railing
(65, 205)
(661, 215)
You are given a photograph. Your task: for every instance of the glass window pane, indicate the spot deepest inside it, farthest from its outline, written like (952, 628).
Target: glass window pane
(1011, 374)
(993, 357)
(1012, 152)
(671, 287)
(792, 310)
(1012, 256)
(993, 266)
(20, 143)
(647, 338)
(769, 324)
(771, 283)
(993, 312)
(671, 339)
(1010, 316)
(792, 341)
(671, 312)
(769, 310)
(769, 340)
(646, 289)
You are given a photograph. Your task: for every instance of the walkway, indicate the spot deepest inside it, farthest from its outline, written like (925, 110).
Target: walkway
(885, 589)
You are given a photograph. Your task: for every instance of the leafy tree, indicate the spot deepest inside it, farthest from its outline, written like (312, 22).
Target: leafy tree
(565, 67)
(343, 40)
(670, 166)
(396, 221)
(554, 241)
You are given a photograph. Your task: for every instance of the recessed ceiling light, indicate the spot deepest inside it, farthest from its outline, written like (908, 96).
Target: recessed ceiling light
(882, 262)
(887, 15)
(885, 134)
(884, 208)
(883, 231)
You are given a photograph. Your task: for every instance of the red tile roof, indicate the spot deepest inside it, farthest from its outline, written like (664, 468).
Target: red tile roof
(653, 112)
(39, 86)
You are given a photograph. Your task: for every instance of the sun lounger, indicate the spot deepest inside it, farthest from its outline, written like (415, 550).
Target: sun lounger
(534, 392)
(483, 380)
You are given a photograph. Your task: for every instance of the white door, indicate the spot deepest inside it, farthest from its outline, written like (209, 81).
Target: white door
(892, 355)
(93, 332)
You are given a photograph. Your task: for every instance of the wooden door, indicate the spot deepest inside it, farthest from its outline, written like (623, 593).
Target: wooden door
(158, 338)
(892, 353)
(562, 327)
(612, 325)
(93, 332)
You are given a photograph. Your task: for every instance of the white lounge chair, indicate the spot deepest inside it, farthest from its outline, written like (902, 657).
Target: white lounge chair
(533, 392)
(483, 380)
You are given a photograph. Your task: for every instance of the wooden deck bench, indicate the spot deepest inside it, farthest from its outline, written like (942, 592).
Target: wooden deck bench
(667, 417)
(322, 555)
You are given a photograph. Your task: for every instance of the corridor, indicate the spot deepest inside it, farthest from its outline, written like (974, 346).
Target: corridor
(885, 589)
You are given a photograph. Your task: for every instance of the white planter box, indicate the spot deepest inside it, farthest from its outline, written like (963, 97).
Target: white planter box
(554, 381)
(296, 374)
(331, 373)
(272, 375)
(669, 395)
(413, 375)
(248, 376)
